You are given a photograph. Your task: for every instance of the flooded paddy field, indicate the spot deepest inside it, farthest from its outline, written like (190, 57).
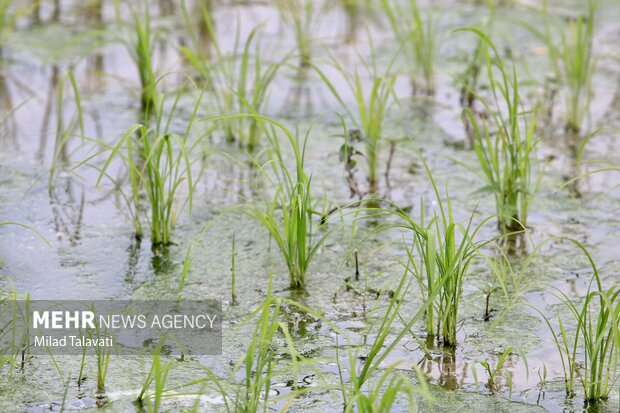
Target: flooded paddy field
(400, 205)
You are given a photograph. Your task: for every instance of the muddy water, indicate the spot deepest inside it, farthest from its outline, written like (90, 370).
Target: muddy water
(93, 254)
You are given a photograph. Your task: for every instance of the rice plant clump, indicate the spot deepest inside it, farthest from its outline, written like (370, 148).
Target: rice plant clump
(252, 392)
(157, 379)
(468, 80)
(295, 232)
(249, 386)
(140, 48)
(13, 338)
(570, 48)
(371, 109)
(591, 353)
(418, 37)
(359, 392)
(438, 259)
(505, 142)
(301, 16)
(290, 215)
(578, 66)
(159, 167)
(597, 166)
(240, 79)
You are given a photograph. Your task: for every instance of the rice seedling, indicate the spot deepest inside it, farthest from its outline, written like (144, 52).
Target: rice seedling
(577, 67)
(590, 354)
(505, 154)
(572, 60)
(300, 16)
(64, 133)
(140, 48)
(11, 337)
(358, 391)
(142, 55)
(493, 373)
(81, 376)
(241, 78)
(295, 233)
(384, 394)
(444, 257)
(200, 53)
(249, 387)
(258, 361)
(7, 21)
(353, 390)
(64, 396)
(507, 278)
(469, 78)
(542, 382)
(418, 35)
(346, 155)
(157, 377)
(372, 106)
(289, 215)
(206, 31)
(159, 165)
(102, 354)
(600, 165)
(487, 290)
(103, 362)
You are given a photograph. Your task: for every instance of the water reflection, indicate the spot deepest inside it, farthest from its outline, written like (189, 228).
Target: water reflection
(299, 323)
(299, 98)
(452, 372)
(95, 63)
(67, 204)
(573, 144)
(52, 92)
(515, 244)
(443, 365)
(8, 123)
(133, 260)
(161, 261)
